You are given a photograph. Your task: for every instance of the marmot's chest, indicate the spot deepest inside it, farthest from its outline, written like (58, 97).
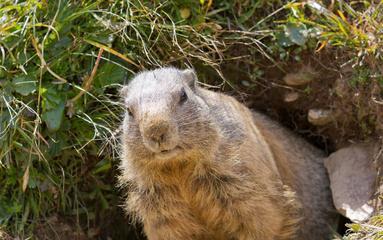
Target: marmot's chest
(209, 197)
(201, 201)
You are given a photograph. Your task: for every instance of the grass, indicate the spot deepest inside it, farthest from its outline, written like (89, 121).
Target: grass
(61, 66)
(373, 229)
(62, 63)
(353, 28)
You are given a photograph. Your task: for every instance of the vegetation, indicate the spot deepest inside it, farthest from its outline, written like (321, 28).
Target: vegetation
(371, 230)
(62, 63)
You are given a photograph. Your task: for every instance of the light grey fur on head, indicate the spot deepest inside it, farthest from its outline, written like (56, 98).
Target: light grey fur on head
(161, 77)
(165, 102)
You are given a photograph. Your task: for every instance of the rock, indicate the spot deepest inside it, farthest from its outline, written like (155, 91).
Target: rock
(291, 97)
(320, 117)
(352, 174)
(303, 76)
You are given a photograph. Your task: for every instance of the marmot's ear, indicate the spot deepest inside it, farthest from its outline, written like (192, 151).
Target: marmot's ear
(190, 77)
(123, 91)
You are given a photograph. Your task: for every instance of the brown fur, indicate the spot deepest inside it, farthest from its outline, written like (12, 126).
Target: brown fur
(233, 174)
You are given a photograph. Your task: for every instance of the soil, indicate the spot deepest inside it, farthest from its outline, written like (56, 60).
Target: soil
(358, 116)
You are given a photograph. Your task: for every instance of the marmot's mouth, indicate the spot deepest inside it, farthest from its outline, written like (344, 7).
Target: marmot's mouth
(170, 153)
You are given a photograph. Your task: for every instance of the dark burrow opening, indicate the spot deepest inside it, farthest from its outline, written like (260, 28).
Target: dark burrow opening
(342, 222)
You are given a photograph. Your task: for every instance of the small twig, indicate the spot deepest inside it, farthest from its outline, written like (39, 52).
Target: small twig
(372, 227)
(112, 51)
(88, 80)
(44, 64)
(376, 101)
(42, 138)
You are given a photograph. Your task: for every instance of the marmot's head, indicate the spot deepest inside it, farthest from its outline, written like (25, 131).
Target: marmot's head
(165, 116)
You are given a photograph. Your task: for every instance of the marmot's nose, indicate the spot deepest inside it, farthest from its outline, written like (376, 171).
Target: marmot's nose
(158, 132)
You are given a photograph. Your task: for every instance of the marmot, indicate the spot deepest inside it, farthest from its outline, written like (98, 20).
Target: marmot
(200, 165)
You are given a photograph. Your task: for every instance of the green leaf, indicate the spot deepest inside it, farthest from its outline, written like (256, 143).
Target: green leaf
(57, 142)
(297, 33)
(24, 85)
(354, 226)
(53, 104)
(283, 40)
(54, 117)
(51, 98)
(109, 73)
(102, 166)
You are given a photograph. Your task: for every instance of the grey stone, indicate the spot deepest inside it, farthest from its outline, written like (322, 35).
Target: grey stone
(302, 77)
(291, 97)
(353, 174)
(320, 117)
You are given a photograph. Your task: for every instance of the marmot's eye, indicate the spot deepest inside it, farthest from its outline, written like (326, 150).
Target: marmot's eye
(183, 96)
